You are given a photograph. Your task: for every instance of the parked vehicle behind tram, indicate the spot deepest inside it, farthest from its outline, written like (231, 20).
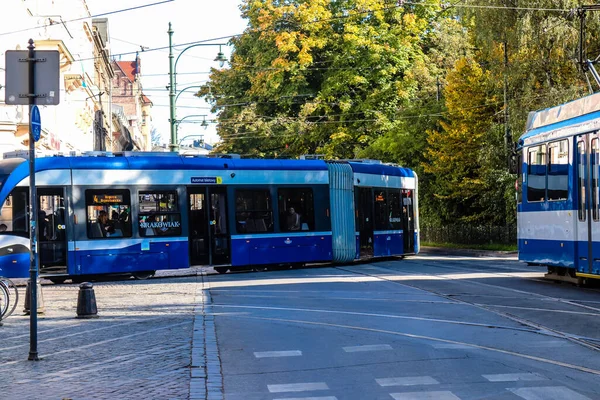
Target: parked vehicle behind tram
(135, 213)
(558, 208)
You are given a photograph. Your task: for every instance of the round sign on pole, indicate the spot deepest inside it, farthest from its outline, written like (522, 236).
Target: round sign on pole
(36, 123)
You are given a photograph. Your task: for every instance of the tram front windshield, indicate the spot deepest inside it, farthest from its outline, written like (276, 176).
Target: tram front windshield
(14, 217)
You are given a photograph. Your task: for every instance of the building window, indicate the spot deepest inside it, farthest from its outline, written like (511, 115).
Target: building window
(253, 211)
(296, 209)
(108, 213)
(159, 214)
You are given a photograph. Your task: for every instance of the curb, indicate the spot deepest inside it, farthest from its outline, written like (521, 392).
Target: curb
(467, 252)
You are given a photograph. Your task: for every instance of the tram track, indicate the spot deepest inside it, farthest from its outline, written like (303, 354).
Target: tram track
(590, 343)
(570, 302)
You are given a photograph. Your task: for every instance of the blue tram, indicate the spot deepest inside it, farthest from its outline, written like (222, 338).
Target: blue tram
(558, 194)
(135, 213)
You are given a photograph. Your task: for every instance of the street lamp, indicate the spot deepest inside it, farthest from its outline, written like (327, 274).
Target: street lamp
(173, 80)
(203, 124)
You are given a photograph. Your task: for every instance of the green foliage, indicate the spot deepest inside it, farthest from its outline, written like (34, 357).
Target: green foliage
(419, 84)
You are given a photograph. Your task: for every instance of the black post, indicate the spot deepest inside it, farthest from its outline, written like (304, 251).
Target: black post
(33, 267)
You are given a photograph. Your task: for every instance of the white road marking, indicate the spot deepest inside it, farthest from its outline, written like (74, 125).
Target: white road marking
(310, 398)
(441, 395)
(550, 343)
(368, 347)
(514, 377)
(548, 393)
(289, 353)
(407, 381)
(297, 387)
(452, 346)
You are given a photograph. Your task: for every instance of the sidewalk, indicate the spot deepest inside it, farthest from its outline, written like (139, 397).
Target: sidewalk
(148, 343)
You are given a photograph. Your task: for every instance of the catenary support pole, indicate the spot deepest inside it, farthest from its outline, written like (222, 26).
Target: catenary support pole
(33, 266)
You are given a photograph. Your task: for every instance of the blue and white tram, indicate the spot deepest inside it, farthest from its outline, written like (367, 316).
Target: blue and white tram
(558, 209)
(135, 213)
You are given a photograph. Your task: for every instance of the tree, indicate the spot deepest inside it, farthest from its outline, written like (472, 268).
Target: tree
(318, 76)
(155, 136)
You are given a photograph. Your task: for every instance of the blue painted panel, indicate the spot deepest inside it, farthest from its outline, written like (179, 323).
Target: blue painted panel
(122, 263)
(357, 247)
(240, 252)
(388, 245)
(15, 265)
(548, 252)
(396, 244)
(159, 256)
(276, 250)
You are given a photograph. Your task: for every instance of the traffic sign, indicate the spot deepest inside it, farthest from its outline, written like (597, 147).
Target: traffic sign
(46, 77)
(36, 123)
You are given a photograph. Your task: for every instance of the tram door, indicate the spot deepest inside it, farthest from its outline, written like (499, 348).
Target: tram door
(209, 237)
(588, 203)
(52, 231)
(364, 222)
(408, 220)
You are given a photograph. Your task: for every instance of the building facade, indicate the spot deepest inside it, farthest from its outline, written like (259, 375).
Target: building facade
(84, 119)
(129, 95)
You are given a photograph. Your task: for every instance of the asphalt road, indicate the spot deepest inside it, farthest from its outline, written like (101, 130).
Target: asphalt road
(425, 327)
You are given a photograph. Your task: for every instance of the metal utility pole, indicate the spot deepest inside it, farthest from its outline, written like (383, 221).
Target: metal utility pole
(173, 144)
(585, 64)
(507, 135)
(33, 267)
(32, 78)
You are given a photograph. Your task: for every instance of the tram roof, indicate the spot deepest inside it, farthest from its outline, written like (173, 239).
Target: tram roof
(141, 161)
(576, 114)
(381, 169)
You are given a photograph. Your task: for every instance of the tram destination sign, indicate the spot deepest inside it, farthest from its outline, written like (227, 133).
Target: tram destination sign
(107, 198)
(207, 179)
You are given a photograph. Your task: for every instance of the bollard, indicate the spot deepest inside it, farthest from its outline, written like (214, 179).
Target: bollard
(86, 301)
(40, 299)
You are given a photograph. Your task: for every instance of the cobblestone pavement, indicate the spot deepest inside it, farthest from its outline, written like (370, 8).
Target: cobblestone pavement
(140, 347)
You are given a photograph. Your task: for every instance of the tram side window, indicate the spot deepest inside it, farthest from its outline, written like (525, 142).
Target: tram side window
(296, 209)
(558, 170)
(595, 158)
(14, 217)
(253, 211)
(520, 177)
(536, 177)
(159, 214)
(395, 209)
(108, 213)
(581, 211)
(388, 209)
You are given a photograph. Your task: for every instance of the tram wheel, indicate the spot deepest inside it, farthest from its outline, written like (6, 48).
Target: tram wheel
(57, 281)
(221, 270)
(258, 268)
(143, 275)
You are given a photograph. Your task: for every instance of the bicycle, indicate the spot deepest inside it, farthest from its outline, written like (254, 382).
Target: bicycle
(9, 297)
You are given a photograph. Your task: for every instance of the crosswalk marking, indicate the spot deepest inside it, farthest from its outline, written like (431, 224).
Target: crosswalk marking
(368, 347)
(288, 353)
(514, 377)
(548, 393)
(407, 381)
(297, 387)
(440, 395)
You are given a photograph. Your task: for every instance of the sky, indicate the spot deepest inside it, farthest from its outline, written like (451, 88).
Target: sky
(192, 20)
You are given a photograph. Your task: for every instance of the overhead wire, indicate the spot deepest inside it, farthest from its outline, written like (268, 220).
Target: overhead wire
(88, 17)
